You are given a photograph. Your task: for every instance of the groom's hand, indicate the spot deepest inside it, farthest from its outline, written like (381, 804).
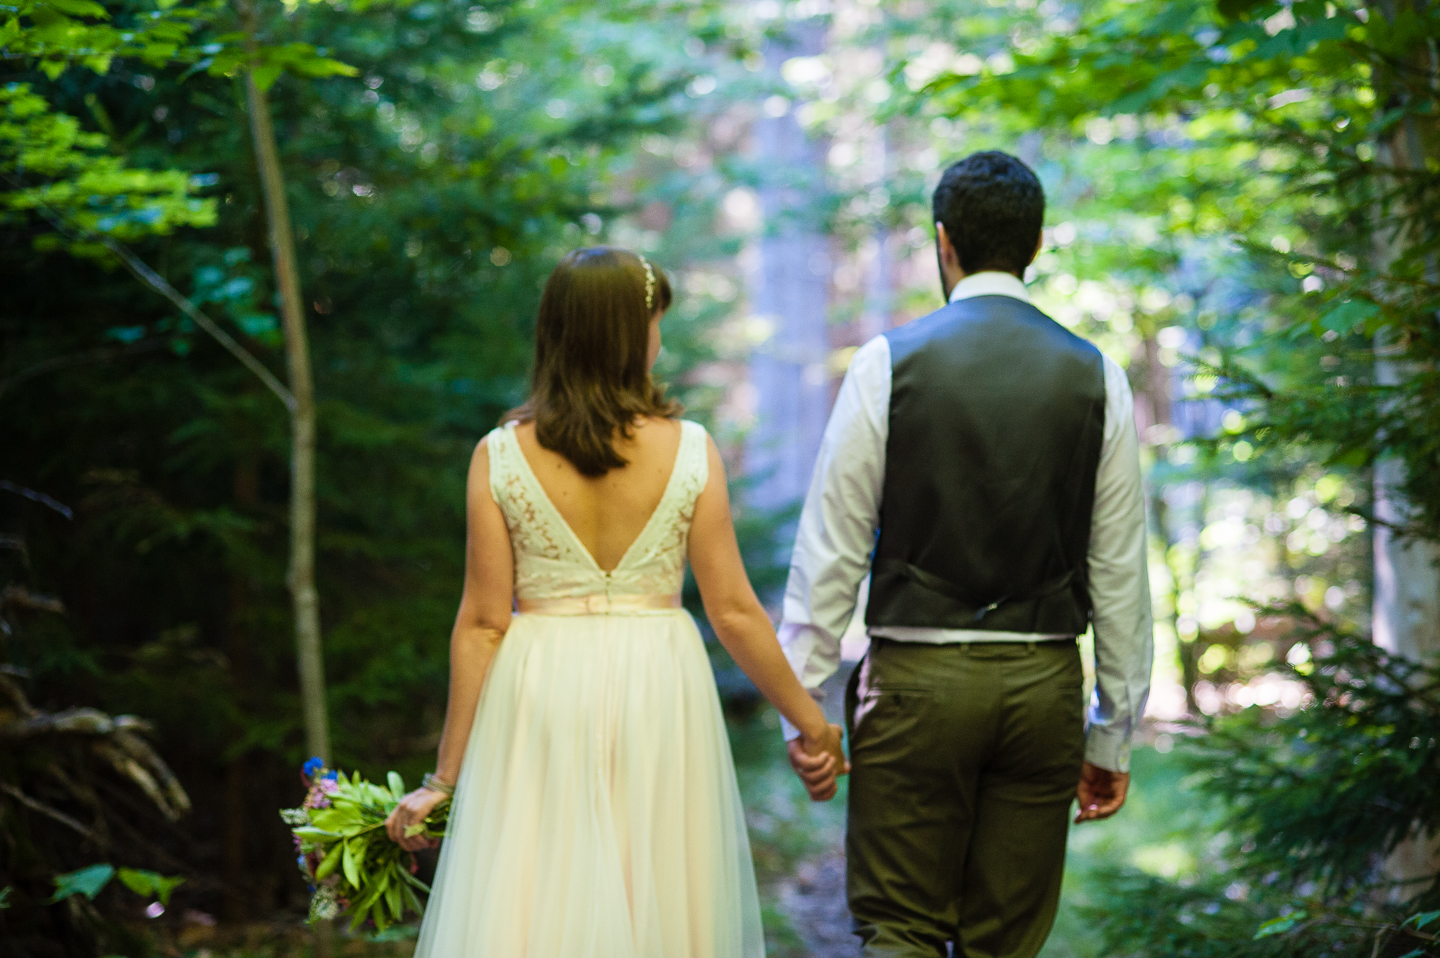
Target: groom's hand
(1101, 792)
(816, 771)
(819, 762)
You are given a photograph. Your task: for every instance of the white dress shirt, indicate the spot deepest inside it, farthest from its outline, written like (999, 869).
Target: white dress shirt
(841, 519)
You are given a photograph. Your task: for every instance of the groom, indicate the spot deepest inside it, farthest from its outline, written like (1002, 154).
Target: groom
(981, 466)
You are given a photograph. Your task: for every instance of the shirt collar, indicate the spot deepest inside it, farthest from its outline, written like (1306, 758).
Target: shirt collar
(989, 283)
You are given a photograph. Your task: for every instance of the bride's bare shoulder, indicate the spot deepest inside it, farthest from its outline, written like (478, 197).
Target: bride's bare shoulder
(657, 432)
(662, 425)
(485, 444)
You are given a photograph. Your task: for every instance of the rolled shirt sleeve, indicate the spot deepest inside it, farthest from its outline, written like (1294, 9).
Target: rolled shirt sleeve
(1119, 585)
(838, 523)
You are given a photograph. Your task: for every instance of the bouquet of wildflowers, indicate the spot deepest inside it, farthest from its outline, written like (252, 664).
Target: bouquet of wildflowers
(348, 860)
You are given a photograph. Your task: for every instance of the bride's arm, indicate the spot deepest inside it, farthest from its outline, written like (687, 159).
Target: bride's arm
(480, 626)
(740, 621)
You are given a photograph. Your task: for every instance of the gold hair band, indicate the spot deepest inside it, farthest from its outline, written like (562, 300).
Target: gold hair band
(649, 285)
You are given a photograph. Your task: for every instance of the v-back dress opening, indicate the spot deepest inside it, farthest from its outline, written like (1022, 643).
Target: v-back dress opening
(597, 813)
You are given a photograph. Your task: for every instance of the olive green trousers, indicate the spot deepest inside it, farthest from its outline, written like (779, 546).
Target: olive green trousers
(964, 762)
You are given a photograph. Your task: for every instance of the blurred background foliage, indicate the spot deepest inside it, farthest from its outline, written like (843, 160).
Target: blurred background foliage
(1243, 210)
(430, 192)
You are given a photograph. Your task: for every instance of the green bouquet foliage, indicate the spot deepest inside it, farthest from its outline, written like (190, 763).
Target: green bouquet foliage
(351, 864)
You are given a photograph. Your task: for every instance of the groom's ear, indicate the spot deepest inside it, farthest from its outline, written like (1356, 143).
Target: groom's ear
(948, 256)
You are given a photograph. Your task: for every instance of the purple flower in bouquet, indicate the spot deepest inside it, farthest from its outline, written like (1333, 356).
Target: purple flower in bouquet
(327, 785)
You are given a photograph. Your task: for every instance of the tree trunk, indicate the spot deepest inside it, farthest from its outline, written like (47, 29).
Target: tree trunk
(790, 295)
(1407, 572)
(1406, 613)
(301, 578)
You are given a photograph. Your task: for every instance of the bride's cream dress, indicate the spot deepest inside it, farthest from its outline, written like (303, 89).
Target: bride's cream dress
(596, 815)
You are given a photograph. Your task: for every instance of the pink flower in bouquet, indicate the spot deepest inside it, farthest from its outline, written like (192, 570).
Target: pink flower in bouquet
(317, 796)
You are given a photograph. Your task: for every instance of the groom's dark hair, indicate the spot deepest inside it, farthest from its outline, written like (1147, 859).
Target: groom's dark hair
(993, 207)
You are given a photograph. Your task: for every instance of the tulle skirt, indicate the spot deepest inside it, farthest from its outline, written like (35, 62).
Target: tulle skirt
(597, 814)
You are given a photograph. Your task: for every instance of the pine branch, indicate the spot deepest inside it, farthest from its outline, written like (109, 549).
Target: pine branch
(142, 271)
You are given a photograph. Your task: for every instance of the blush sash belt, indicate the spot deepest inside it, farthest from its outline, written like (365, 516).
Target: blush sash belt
(600, 604)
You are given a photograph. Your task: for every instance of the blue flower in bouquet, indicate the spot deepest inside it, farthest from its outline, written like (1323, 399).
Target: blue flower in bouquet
(312, 766)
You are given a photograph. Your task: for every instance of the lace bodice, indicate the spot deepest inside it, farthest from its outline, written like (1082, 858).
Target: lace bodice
(550, 560)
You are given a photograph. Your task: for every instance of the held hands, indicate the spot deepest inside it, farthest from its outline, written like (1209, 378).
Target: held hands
(1101, 792)
(411, 812)
(819, 761)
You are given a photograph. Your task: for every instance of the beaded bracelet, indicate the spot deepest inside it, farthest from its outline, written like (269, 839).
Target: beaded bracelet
(432, 782)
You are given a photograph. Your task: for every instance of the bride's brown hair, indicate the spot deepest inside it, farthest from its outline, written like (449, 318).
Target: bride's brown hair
(592, 338)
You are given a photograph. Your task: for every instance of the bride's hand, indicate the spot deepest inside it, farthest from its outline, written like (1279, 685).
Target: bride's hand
(413, 810)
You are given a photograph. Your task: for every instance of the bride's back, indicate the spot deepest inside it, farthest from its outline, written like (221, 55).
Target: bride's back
(608, 512)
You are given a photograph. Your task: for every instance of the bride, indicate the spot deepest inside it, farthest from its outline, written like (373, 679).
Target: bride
(595, 811)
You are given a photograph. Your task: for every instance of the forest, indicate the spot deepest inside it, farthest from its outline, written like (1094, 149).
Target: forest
(270, 271)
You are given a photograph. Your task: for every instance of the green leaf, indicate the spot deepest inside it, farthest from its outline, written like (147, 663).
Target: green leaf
(1422, 919)
(330, 862)
(1235, 9)
(1347, 314)
(412, 880)
(397, 784)
(150, 883)
(5, 896)
(1187, 78)
(363, 907)
(1354, 458)
(354, 854)
(341, 817)
(393, 899)
(79, 8)
(320, 67)
(266, 74)
(86, 881)
(1278, 926)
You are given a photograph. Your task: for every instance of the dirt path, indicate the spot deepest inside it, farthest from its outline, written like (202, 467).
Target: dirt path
(813, 898)
(814, 901)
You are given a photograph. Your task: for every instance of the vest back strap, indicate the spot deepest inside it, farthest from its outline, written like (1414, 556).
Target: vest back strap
(979, 610)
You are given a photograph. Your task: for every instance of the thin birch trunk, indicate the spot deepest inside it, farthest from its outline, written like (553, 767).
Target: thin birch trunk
(301, 578)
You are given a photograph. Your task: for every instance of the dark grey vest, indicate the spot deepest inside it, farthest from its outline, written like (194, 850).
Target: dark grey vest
(996, 419)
